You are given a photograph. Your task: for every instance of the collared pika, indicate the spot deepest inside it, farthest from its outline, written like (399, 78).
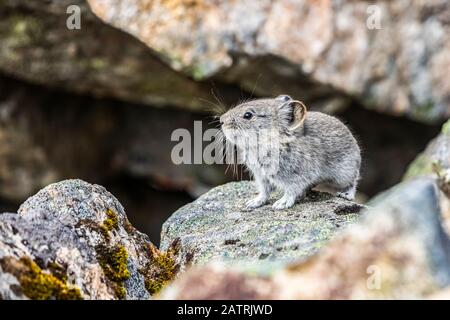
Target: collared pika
(294, 150)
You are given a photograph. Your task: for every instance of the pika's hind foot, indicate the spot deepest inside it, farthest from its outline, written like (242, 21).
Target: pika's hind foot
(284, 203)
(256, 202)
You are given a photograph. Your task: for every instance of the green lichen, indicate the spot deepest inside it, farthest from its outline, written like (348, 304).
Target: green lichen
(114, 262)
(37, 284)
(58, 271)
(161, 270)
(110, 223)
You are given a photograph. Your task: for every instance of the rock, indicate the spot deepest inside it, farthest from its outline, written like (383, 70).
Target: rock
(72, 240)
(219, 282)
(434, 162)
(397, 250)
(38, 47)
(391, 55)
(217, 226)
(435, 158)
(399, 241)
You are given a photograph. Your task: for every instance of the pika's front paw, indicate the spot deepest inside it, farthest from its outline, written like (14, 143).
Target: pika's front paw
(346, 196)
(256, 202)
(283, 203)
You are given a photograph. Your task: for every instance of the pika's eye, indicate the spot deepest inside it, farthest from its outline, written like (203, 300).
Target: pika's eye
(248, 115)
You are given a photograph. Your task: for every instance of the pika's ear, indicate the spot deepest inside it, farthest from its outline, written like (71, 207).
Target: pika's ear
(297, 111)
(283, 98)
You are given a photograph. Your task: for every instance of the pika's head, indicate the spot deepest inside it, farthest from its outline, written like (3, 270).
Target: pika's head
(278, 115)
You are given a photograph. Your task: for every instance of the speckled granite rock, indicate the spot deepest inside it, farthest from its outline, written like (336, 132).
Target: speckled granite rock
(72, 240)
(391, 55)
(218, 227)
(434, 162)
(397, 250)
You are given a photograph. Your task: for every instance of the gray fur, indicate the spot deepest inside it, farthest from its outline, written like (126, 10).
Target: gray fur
(314, 149)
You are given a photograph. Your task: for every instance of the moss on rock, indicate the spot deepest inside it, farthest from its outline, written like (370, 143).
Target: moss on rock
(161, 270)
(433, 160)
(114, 262)
(110, 223)
(205, 227)
(57, 270)
(37, 284)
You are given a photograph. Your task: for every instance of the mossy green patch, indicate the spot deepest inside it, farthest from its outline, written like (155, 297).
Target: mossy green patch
(161, 269)
(110, 223)
(114, 262)
(37, 284)
(58, 271)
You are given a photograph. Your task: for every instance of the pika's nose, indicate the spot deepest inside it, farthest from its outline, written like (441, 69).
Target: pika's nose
(221, 121)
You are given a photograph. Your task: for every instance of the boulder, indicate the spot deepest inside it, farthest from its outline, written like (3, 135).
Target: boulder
(397, 250)
(434, 162)
(218, 227)
(72, 240)
(391, 55)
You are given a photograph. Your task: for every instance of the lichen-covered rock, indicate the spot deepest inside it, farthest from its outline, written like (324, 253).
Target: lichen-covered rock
(434, 162)
(72, 240)
(215, 281)
(96, 59)
(435, 158)
(392, 55)
(218, 227)
(398, 249)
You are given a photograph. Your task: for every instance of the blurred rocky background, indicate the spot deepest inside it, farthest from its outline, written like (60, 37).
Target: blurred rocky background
(99, 103)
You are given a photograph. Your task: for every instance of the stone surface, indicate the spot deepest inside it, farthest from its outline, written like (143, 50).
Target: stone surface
(219, 282)
(72, 240)
(398, 249)
(96, 59)
(218, 227)
(398, 65)
(434, 162)
(435, 158)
